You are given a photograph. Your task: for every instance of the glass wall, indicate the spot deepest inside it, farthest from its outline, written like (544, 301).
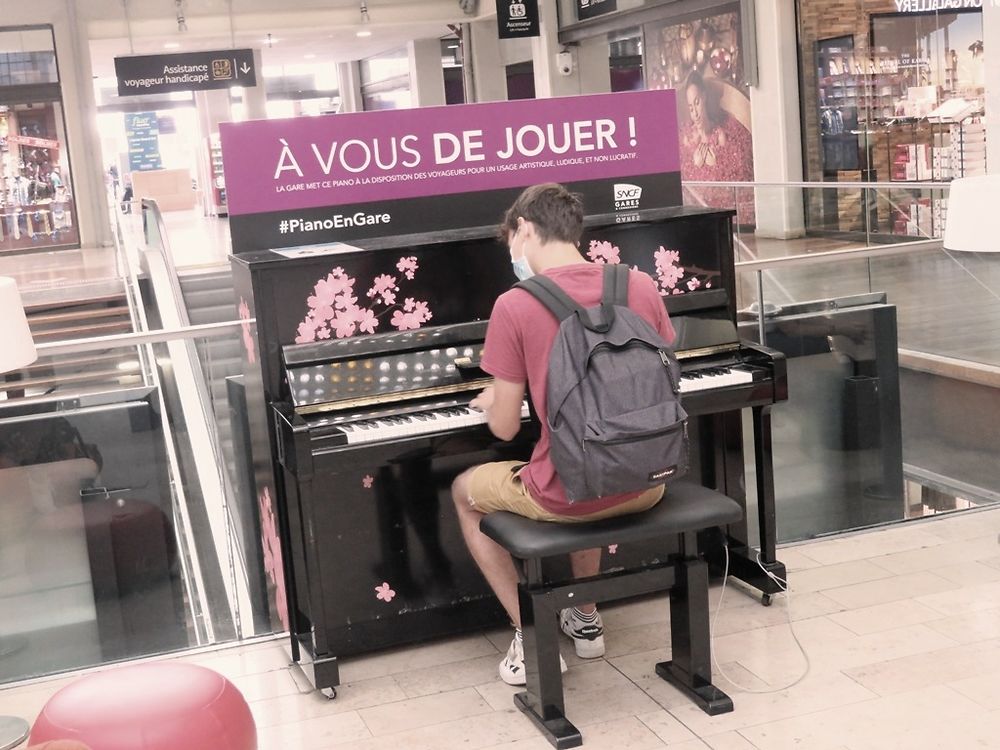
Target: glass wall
(890, 93)
(37, 207)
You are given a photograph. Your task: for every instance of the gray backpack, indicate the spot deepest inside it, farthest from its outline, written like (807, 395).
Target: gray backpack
(613, 394)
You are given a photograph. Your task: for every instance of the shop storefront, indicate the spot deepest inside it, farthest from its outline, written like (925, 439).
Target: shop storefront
(892, 91)
(37, 209)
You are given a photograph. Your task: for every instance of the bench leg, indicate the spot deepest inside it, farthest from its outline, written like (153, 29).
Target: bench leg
(690, 669)
(543, 700)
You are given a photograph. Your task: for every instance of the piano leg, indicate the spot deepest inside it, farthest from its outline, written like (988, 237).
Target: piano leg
(766, 504)
(765, 482)
(726, 470)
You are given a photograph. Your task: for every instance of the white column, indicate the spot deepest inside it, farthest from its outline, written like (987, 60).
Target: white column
(991, 45)
(213, 107)
(593, 65)
(255, 97)
(488, 70)
(349, 77)
(426, 74)
(80, 114)
(545, 50)
(777, 139)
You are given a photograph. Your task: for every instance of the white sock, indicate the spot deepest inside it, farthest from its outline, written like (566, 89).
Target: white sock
(592, 617)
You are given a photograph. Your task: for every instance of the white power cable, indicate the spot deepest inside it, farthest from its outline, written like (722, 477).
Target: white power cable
(783, 585)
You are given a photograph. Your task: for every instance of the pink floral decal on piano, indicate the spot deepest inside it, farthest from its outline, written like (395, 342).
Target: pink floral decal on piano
(612, 549)
(367, 481)
(671, 276)
(384, 593)
(272, 555)
(603, 252)
(244, 311)
(334, 311)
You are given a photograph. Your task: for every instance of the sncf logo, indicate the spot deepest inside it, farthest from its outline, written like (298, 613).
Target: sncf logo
(627, 196)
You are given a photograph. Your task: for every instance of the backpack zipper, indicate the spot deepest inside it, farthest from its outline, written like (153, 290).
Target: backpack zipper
(675, 427)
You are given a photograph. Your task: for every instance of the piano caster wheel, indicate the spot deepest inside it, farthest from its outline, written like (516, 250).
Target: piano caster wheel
(765, 599)
(330, 692)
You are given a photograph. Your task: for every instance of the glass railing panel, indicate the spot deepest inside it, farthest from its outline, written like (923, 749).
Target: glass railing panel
(906, 212)
(709, 195)
(109, 548)
(948, 306)
(892, 376)
(786, 285)
(834, 470)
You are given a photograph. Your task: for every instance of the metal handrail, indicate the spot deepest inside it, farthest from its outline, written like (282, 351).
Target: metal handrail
(158, 336)
(831, 256)
(826, 185)
(236, 588)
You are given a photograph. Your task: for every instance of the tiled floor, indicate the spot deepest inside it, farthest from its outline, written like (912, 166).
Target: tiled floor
(901, 627)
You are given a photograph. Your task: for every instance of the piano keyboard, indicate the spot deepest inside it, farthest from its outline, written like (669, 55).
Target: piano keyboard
(714, 377)
(441, 418)
(414, 423)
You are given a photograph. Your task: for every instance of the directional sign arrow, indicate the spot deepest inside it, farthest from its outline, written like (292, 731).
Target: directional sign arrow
(245, 68)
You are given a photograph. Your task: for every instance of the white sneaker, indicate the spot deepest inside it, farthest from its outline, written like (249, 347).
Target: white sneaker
(588, 637)
(512, 665)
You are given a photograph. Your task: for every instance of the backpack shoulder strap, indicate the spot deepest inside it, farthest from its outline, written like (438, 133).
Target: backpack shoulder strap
(615, 285)
(556, 301)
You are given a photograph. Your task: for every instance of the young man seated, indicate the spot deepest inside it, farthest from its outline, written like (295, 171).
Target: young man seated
(542, 230)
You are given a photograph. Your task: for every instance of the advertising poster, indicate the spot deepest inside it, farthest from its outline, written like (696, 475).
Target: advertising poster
(701, 58)
(142, 133)
(338, 178)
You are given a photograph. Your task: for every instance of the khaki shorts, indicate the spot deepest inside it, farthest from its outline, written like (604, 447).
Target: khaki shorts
(498, 486)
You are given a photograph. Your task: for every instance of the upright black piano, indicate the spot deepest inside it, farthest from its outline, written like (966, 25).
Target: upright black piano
(359, 371)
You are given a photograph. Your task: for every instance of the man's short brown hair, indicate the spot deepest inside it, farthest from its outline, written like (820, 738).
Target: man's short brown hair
(556, 213)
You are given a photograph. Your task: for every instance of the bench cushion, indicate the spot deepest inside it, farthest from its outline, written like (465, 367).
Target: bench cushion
(685, 507)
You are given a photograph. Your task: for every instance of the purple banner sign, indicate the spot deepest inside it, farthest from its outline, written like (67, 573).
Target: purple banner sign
(336, 160)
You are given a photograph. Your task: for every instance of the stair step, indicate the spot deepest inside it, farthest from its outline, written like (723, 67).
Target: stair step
(214, 314)
(57, 362)
(37, 302)
(206, 281)
(96, 329)
(100, 312)
(114, 376)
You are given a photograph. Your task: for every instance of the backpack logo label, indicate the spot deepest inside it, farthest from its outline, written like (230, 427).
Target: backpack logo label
(627, 196)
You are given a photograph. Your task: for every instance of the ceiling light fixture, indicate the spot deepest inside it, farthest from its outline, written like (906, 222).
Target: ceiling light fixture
(181, 22)
(365, 30)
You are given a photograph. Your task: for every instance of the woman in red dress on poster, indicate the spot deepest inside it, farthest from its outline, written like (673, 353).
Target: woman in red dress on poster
(715, 147)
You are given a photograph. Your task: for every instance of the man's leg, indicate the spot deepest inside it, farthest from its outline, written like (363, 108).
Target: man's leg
(585, 563)
(493, 560)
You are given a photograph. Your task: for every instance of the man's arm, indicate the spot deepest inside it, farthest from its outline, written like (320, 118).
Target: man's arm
(502, 404)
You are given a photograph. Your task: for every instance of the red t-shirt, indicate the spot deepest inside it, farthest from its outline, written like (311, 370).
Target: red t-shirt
(518, 341)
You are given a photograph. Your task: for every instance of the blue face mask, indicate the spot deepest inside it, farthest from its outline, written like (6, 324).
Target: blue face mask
(521, 268)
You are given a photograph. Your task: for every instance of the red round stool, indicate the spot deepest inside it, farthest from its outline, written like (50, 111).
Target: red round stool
(154, 706)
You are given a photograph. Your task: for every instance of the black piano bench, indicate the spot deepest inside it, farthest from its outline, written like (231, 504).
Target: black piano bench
(685, 509)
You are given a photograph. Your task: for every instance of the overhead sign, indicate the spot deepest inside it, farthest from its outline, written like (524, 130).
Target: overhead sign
(593, 8)
(312, 180)
(517, 18)
(932, 6)
(185, 71)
